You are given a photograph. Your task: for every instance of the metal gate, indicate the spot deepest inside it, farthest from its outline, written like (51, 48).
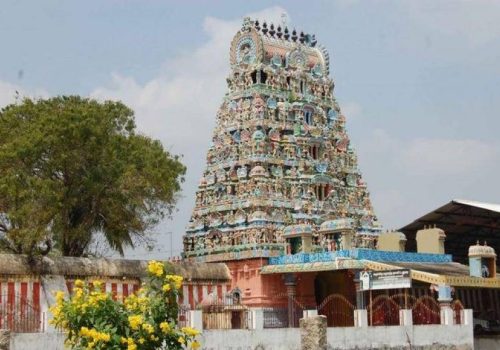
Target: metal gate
(275, 317)
(426, 310)
(283, 316)
(383, 311)
(338, 310)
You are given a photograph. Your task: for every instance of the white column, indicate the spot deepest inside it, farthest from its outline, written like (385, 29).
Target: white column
(185, 295)
(196, 319)
(405, 317)
(195, 294)
(466, 316)
(447, 316)
(257, 319)
(360, 318)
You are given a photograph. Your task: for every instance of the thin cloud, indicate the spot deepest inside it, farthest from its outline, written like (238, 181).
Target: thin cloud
(427, 157)
(474, 23)
(10, 93)
(412, 176)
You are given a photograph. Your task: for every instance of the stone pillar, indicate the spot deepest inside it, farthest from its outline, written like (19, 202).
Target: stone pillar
(195, 318)
(291, 285)
(257, 319)
(4, 339)
(313, 333)
(361, 318)
(405, 317)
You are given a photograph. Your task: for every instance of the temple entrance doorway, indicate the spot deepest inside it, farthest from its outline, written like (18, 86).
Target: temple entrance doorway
(335, 297)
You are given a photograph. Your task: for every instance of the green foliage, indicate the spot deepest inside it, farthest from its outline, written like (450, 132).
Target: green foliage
(147, 320)
(72, 168)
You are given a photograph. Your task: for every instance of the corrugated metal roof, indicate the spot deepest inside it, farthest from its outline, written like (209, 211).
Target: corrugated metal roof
(449, 269)
(464, 221)
(482, 205)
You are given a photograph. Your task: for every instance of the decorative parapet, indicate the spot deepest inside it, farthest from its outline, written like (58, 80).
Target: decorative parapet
(302, 258)
(360, 254)
(339, 264)
(387, 256)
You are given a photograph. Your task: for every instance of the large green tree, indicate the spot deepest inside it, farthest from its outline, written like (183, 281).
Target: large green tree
(73, 169)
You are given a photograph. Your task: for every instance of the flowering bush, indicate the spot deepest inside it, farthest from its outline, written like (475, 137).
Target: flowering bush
(146, 320)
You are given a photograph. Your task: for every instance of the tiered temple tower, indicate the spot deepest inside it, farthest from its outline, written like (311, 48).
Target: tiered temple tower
(280, 165)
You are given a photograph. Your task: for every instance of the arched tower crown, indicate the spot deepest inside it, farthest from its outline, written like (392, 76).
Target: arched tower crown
(267, 44)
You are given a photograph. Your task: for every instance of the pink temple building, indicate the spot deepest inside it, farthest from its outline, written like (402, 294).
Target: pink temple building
(283, 204)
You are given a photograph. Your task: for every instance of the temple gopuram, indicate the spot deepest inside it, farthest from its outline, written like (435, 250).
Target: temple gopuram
(280, 165)
(283, 204)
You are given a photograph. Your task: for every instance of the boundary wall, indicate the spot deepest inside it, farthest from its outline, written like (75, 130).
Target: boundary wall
(432, 337)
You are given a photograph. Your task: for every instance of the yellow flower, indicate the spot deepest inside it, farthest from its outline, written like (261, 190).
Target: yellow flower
(148, 328)
(135, 321)
(195, 345)
(56, 311)
(79, 283)
(166, 287)
(97, 284)
(181, 340)
(131, 344)
(141, 340)
(131, 302)
(105, 337)
(78, 295)
(84, 331)
(190, 331)
(156, 268)
(59, 296)
(165, 327)
(177, 280)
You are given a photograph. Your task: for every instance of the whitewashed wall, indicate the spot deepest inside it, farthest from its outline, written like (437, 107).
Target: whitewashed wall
(458, 337)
